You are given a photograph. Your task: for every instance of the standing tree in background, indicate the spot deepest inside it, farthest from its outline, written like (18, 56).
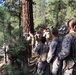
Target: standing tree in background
(57, 11)
(39, 13)
(31, 16)
(27, 14)
(71, 9)
(13, 20)
(2, 26)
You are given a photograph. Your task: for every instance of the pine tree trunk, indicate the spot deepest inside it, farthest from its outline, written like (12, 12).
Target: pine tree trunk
(31, 16)
(27, 14)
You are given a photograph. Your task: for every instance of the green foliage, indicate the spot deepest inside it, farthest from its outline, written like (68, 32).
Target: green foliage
(10, 70)
(39, 12)
(16, 72)
(59, 11)
(56, 12)
(16, 47)
(44, 14)
(25, 70)
(39, 74)
(10, 13)
(2, 18)
(1, 13)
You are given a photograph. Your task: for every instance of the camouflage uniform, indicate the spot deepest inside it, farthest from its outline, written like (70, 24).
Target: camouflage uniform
(52, 57)
(42, 66)
(69, 67)
(51, 50)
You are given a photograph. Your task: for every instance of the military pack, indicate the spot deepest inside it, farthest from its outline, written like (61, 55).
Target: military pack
(58, 47)
(73, 47)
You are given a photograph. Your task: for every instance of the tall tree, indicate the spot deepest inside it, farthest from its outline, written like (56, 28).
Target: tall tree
(2, 26)
(57, 11)
(27, 14)
(12, 24)
(39, 12)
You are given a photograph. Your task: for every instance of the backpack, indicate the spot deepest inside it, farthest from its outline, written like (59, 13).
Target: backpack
(60, 62)
(58, 47)
(43, 52)
(73, 48)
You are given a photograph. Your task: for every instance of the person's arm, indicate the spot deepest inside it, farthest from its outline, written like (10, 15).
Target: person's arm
(51, 51)
(38, 49)
(66, 45)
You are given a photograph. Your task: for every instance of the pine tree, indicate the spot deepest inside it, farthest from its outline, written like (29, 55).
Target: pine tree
(27, 13)
(39, 12)
(57, 11)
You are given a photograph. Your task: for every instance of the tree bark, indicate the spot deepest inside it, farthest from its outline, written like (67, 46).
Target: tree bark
(31, 16)
(25, 16)
(27, 13)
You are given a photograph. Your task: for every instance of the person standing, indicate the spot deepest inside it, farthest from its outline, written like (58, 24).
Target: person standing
(42, 50)
(68, 51)
(52, 57)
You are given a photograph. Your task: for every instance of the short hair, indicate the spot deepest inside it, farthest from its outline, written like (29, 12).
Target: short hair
(54, 31)
(68, 23)
(43, 39)
(73, 23)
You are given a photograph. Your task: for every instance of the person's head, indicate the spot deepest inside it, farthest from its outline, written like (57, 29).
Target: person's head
(43, 39)
(48, 35)
(26, 35)
(44, 30)
(54, 32)
(71, 25)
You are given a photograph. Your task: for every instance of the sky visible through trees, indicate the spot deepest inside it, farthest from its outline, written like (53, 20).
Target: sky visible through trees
(46, 0)
(2, 2)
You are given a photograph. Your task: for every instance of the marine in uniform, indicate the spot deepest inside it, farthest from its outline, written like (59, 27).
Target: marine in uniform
(68, 51)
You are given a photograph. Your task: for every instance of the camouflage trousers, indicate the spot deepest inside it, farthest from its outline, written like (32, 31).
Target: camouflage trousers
(56, 66)
(71, 71)
(43, 68)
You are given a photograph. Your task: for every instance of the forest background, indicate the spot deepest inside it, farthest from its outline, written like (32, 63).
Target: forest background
(46, 13)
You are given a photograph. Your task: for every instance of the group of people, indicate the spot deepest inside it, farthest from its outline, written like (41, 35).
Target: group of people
(57, 56)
